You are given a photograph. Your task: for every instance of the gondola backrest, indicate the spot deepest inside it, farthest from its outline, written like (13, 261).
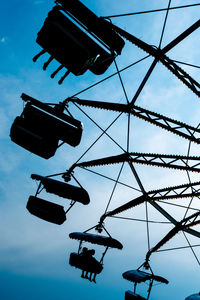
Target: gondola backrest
(51, 122)
(69, 44)
(99, 26)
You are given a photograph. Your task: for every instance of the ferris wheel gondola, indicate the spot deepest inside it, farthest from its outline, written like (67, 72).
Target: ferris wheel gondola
(78, 40)
(40, 128)
(138, 276)
(53, 212)
(193, 297)
(84, 259)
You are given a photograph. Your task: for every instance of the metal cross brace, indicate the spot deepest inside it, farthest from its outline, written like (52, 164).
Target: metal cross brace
(159, 55)
(183, 225)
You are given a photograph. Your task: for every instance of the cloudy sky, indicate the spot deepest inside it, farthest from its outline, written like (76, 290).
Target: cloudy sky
(34, 254)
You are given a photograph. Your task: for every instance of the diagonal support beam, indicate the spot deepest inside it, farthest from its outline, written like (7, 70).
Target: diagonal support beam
(183, 225)
(137, 201)
(182, 36)
(160, 56)
(181, 74)
(156, 195)
(133, 203)
(172, 220)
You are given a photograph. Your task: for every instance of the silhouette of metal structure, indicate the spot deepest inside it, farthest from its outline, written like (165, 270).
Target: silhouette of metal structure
(79, 40)
(174, 126)
(179, 162)
(183, 225)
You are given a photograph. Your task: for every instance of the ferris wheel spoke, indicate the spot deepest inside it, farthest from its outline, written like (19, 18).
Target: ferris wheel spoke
(183, 225)
(151, 11)
(152, 50)
(174, 126)
(179, 162)
(191, 247)
(175, 192)
(109, 178)
(173, 221)
(151, 198)
(181, 74)
(186, 64)
(133, 203)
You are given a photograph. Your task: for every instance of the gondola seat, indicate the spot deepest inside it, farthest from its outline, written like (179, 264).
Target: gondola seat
(23, 134)
(85, 263)
(50, 123)
(46, 210)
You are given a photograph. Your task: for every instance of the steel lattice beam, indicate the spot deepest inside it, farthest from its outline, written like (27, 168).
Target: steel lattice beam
(184, 130)
(176, 192)
(173, 192)
(137, 201)
(179, 162)
(181, 74)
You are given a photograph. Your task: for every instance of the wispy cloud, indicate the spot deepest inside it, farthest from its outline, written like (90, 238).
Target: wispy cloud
(3, 39)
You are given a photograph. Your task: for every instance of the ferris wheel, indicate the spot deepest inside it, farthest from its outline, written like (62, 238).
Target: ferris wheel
(73, 36)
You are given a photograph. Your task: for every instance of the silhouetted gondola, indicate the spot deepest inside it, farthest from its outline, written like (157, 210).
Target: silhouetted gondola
(53, 212)
(84, 259)
(78, 39)
(137, 276)
(87, 263)
(40, 127)
(46, 210)
(193, 297)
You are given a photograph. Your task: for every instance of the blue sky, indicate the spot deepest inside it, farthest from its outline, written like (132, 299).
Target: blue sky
(34, 254)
